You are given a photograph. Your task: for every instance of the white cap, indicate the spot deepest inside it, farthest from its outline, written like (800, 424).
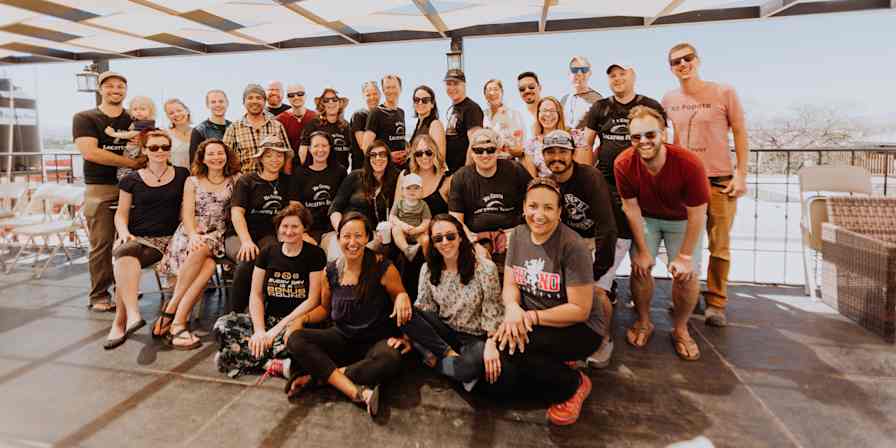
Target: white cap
(412, 179)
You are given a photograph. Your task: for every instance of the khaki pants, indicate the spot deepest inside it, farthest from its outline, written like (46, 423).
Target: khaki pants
(99, 215)
(720, 217)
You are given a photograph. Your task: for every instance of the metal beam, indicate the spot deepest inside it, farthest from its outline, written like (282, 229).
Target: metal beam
(773, 7)
(672, 6)
(337, 27)
(207, 19)
(37, 50)
(710, 15)
(56, 36)
(545, 7)
(826, 7)
(428, 10)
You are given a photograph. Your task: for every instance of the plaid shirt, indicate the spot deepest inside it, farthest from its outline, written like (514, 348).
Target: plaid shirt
(245, 140)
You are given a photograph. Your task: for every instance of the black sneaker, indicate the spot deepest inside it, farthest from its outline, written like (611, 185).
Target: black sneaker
(612, 294)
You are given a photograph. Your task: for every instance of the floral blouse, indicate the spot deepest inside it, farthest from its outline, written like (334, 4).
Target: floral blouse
(474, 308)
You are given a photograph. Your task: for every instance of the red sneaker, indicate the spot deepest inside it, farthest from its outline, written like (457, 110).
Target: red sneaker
(567, 413)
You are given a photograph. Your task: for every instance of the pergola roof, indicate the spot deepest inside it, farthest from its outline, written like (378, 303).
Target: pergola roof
(33, 31)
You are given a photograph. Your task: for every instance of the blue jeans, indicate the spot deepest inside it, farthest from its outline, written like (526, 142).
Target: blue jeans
(431, 336)
(671, 233)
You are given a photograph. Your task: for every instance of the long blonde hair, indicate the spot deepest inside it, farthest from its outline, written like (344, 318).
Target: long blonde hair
(177, 101)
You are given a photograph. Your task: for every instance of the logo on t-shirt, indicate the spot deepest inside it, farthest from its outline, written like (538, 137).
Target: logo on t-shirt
(532, 276)
(399, 131)
(321, 196)
(286, 285)
(452, 122)
(577, 212)
(494, 203)
(272, 204)
(339, 143)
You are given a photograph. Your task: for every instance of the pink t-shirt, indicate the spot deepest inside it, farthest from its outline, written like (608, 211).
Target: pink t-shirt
(702, 120)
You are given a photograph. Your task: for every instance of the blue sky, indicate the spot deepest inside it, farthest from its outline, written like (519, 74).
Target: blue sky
(841, 59)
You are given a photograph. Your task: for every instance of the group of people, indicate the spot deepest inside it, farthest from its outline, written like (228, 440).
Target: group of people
(487, 243)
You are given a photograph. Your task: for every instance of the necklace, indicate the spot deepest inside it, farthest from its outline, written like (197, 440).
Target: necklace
(159, 176)
(209, 179)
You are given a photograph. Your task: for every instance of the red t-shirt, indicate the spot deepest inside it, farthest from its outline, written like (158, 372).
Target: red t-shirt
(681, 183)
(294, 126)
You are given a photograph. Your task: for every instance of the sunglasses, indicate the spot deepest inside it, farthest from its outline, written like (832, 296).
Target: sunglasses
(295, 94)
(379, 155)
(649, 135)
(528, 87)
(450, 236)
(422, 99)
(575, 70)
(423, 152)
(687, 58)
(490, 150)
(331, 99)
(155, 148)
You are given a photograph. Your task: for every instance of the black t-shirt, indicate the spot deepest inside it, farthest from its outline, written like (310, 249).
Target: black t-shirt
(278, 110)
(203, 131)
(287, 280)
(462, 117)
(262, 200)
(489, 203)
(340, 139)
(155, 211)
(358, 123)
(351, 197)
(609, 119)
(589, 213)
(316, 191)
(388, 125)
(93, 123)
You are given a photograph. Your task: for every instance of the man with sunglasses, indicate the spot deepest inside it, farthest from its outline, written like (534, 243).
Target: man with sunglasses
(464, 118)
(295, 118)
(274, 94)
(577, 103)
(102, 154)
(702, 113)
(586, 201)
(665, 192)
(530, 93)
(245, 136)
(608, 120)
(487, 196)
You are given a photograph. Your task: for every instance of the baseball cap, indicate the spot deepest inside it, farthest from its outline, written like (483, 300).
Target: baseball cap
(485, 138)
(110, 74)
(270, 142)
(558, 139)
(411, 179)
(455, 74)
(622, 65)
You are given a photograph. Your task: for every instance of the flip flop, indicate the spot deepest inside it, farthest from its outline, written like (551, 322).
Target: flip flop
(169, 341)
(639, 336)
(134, 327)
(685, 348)
(160, 323)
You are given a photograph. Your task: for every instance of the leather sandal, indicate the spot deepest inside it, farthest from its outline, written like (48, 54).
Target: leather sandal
(180, 335)
(162, 326)
(685, 348)
(638, 336)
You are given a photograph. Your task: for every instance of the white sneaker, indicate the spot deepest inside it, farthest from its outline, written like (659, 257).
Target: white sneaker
(601, 358)
(411, 251)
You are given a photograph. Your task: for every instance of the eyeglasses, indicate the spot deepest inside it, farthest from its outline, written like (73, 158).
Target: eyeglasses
(294, 94)
(438, 238)
(379, 155)
(155, 148)
(490, 150)
(423, 152)
(422, 99)
(330, 99)
(687, 58)
(649, 135)
(583, 70)
(528, 87)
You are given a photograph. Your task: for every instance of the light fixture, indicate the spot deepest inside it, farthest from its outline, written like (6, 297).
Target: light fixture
(456, 55)
(87, 79)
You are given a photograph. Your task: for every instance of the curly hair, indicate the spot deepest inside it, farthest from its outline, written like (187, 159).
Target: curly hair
(200, 169)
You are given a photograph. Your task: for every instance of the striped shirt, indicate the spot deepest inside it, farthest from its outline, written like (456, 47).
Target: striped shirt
(245, 139)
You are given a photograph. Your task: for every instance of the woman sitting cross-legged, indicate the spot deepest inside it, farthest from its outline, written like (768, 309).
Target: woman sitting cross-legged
(148, 214)
(552, 313)
(458, 306)
(361, 295)
(286, 285)
(198, 240)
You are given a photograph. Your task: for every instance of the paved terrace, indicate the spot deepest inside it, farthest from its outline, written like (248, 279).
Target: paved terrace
(787, 372)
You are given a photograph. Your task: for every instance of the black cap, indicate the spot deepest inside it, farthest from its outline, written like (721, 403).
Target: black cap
(455, 74)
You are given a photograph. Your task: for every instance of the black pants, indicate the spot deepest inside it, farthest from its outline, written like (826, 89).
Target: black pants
(540, 369)
(242, 273)
(431, 335)
(320, 352)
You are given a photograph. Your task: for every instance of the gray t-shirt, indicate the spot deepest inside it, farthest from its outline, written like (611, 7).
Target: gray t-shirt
(543, 272)
(410, 214)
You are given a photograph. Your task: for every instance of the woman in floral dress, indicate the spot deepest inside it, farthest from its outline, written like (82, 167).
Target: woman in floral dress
(198, 240)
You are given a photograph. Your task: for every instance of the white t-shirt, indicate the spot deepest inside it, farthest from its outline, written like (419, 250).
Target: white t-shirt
(180, 152)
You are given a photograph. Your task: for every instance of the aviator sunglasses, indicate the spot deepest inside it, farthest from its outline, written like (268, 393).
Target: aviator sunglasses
(450, 236)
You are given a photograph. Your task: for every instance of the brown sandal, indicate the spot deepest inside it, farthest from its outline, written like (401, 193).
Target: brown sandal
(183, 333)
(638, 336)
(685, 348)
